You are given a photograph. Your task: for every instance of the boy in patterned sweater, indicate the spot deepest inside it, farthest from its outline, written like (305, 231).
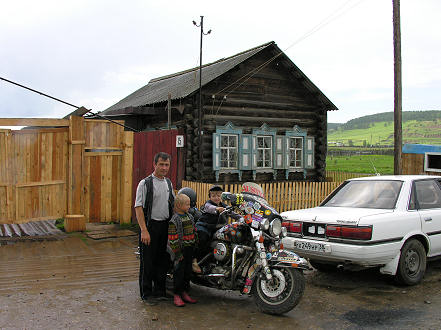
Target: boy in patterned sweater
(182, 238)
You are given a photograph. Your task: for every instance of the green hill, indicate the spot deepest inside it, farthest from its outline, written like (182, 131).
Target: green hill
(423, 127)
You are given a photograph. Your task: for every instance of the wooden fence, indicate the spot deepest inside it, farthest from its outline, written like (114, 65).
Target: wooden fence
(80, 171)
(337, 176)
(283, 196)
(33, 174)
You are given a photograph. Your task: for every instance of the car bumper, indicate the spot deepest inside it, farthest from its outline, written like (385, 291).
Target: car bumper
(368, 255)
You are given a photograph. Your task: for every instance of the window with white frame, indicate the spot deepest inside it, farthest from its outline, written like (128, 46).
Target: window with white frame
(295, 151)
(264, 151)
(229, 151)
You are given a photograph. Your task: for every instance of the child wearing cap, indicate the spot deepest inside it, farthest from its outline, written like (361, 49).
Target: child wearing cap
(206, 225)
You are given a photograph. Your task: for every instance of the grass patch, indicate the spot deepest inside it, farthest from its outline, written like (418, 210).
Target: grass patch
(384, 164)
(59, 223)
(130, 226)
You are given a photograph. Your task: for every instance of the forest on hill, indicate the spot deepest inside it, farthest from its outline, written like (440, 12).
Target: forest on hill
(423, 127)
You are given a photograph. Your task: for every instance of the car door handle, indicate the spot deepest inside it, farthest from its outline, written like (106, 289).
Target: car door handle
(428, 219)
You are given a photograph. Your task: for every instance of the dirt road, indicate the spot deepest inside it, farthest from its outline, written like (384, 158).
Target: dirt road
(80, 283)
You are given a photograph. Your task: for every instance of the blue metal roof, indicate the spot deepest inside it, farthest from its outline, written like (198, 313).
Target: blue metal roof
(420, 148)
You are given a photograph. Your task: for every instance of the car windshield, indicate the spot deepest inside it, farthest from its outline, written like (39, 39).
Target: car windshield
(372, 194)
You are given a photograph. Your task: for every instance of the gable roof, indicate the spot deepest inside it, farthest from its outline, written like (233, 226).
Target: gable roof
(184, 83)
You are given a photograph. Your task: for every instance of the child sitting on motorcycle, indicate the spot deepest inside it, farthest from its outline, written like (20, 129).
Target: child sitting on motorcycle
(206, 225)
(182, 238)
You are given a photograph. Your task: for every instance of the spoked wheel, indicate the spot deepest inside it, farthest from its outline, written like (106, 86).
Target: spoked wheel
(412, 265)
(280, 294)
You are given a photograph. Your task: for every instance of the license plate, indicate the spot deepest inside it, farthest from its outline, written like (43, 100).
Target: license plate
(308, 246)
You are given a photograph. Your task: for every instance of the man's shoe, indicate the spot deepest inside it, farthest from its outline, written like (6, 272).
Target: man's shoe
(177, 300)
(149, 301)
(188, 299)
(161, 298)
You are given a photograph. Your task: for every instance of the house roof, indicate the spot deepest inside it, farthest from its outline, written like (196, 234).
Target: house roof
(184, 83)
(420, 148)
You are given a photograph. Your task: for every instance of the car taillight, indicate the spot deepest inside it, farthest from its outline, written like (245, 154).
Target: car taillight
(353, 232)
(293, 226)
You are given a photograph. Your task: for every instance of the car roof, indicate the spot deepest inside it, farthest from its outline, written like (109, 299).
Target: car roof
(395, 177)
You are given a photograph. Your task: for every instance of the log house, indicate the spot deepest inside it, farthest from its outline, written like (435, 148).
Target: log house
(262, 118)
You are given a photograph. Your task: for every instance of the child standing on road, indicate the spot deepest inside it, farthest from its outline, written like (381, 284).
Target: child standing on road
(182, 237)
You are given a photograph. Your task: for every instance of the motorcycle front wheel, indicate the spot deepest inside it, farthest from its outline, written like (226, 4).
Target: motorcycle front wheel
(280, 294)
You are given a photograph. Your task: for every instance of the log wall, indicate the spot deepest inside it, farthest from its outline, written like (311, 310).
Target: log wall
(270, 96)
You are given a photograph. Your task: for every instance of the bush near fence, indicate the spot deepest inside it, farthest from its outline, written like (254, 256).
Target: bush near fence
(283, 196)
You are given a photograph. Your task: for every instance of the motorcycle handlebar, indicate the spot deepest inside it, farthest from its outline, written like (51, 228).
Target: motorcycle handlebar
(227, 209)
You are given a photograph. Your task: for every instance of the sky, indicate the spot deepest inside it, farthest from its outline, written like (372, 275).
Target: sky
(93, 53)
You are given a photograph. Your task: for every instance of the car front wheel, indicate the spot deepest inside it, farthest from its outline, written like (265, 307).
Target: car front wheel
(412, 264)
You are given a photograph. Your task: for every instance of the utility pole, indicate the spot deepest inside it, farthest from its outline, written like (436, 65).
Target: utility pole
(398, 137)
(200, 131)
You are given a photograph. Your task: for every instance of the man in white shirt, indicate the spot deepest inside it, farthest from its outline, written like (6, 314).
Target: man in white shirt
(154, 208)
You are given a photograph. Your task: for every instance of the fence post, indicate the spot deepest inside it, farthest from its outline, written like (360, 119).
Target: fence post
(126, 179)
(75, 219)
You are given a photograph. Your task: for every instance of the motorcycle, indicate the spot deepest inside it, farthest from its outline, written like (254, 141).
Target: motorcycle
(248, 256)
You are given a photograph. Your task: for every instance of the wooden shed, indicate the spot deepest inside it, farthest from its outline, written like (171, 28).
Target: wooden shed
(421, 159)
(262, 118)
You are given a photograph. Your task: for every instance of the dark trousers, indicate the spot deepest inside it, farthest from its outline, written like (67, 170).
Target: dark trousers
(182, 272)
(204, 238)
(154, 260)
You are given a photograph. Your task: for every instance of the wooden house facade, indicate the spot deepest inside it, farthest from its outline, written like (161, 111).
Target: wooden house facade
(421, 159)
(262, 119)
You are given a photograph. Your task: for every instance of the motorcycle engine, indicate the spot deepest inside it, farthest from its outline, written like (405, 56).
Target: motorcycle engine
(221, 251)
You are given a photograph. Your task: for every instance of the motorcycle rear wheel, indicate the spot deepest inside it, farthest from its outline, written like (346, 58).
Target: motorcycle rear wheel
(280, 295)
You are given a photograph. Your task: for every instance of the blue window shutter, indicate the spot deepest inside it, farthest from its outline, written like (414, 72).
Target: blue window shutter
(253, 152)
(279, 152)
(216, 151)
(309, 152)
(286, 152)
(246, 152)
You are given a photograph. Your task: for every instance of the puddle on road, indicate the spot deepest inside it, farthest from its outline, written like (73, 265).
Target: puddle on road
(380, 317)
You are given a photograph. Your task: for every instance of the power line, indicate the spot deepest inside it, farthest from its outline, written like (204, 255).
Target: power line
(35, 91)
(333, 16)
(67, 103)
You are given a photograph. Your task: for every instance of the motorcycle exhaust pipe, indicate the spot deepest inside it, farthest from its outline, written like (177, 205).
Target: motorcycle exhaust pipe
(214, 275)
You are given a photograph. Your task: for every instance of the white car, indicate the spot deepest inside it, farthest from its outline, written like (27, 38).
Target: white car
(391, 222)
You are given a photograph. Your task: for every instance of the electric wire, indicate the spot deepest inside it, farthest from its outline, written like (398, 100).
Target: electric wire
(330, 18)
(67, 103)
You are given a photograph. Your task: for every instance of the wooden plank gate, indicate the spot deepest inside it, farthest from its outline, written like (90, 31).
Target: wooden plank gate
(33, 174)
(81, 171)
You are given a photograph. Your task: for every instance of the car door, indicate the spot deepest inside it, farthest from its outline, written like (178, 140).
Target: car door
(427, 198)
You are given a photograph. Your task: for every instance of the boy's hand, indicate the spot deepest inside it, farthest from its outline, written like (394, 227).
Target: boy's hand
(220, 209)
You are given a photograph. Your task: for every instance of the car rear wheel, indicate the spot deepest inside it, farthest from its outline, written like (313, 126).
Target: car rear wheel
(412, 264)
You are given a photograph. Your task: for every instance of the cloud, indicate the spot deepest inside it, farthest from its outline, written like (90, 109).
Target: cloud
(94, 53)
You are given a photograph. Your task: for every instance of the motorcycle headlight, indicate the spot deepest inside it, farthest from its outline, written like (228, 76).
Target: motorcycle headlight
(275, 227)
(284, 232)
(264, 224)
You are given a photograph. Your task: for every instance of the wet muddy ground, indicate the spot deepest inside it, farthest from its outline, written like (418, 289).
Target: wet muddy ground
(81, 283)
